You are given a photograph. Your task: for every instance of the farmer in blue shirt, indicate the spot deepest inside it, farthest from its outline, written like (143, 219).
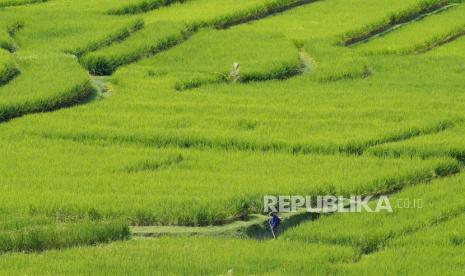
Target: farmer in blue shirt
(274, 224)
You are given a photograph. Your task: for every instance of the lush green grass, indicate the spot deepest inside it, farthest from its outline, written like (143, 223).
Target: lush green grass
(182, 256)
(8, 67)
(308, 116)
(441, 200)
(219, 51)
(67, 26)
(108, 39)
(334, 63)
(455, 49)
(32, 232)
(447, 143)
(142, 6)
(6, 42)
(47, 82)
(312, 21)
(401, 16)
(60, 235)
(11, 3)
(148, 186)
(324, 118)
(434, 250)
(421, 35)
(217, 13)
(166, 34)
(151, 39)
(431, 250)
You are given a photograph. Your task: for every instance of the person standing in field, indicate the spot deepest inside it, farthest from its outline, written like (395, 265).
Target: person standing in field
(274, 223)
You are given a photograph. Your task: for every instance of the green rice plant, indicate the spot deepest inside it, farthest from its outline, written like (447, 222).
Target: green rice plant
(148, 155)
(453, 49)
(324, 118)
(255, 13)
(138, 184)
(47, 82)
(395, 18)
(143, 6)
(312, 21)
(446, 143)
(58, 236)
(422, 35)
(61, 27)
(8, 67)
(32, 232)
(11, 3)
(123, 33)
(214, 52)
(182, 256)
(199, 120)
(205, 13)
(333, 63)
(441, 200)
(116, 36)
(6, 42)
(220, 21)
(187, 81)
(416, 253)
(14, 27)
(6, 36)
(441, 39)
(449, 232)
(148, 41)
(398, 121)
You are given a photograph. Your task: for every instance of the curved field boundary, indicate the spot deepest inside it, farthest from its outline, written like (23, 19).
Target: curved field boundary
(46, 83)
(105, 65)
(38, 238)
(13, 3)
(394, 21)
(114, 37)
(400, 25)
(14, 28)
(256, 226)
(440, 40)
(258, 13)
(442, 202)
(283, 72)
(143, 6)
(69, 97)
(199, 142)
(7, 41)
(440, 127)
(8, 67)
(445, 143)
(8, 72)
(143, 43)
(421, 36)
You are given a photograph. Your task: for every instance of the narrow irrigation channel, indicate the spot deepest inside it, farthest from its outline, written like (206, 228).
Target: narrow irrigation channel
(255, 227)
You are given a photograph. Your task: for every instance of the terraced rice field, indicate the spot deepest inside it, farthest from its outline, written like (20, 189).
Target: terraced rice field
(140, 137)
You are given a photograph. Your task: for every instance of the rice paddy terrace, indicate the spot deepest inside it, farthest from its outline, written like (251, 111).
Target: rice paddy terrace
(129, 145)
